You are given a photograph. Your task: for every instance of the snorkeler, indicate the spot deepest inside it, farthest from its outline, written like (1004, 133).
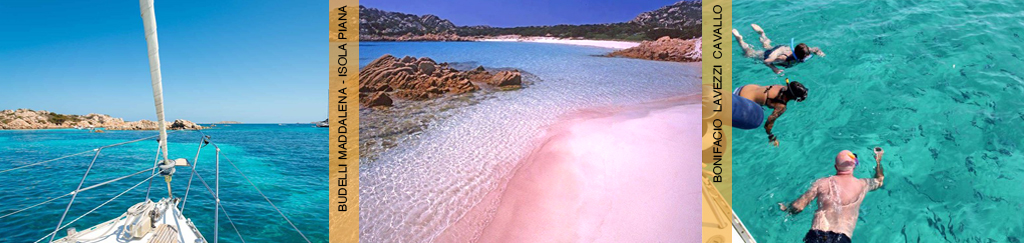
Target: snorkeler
(781, 55)
(839, 198)
(748, 102)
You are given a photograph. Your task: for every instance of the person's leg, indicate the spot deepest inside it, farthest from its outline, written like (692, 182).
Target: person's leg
(748, 51)
(764, 38)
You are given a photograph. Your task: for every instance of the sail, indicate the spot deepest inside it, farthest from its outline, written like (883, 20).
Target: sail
(149, 22)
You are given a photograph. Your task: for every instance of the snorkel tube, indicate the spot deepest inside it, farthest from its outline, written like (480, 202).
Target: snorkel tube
(792, 88)
(856, 161)
(792, 47)
(789, 90)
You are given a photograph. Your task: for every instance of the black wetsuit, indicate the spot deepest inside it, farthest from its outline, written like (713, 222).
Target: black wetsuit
(790, 59)
(818, 236)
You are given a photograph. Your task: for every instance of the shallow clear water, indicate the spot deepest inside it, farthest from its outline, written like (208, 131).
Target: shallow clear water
(415, 190)
(286, 162)
(952, 134)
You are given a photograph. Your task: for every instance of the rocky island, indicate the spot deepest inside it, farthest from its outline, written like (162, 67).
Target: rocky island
(33, 119)
(670, 33)
(664, 49)
(423, 78)
(679, 20)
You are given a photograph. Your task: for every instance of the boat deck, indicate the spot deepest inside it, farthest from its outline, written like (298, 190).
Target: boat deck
(144, 222)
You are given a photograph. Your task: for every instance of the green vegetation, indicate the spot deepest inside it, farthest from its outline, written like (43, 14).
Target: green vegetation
(617, 31)
(60, 119)
(679, 20)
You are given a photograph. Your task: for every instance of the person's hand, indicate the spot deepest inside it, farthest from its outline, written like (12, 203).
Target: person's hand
(780, 72)
(782, 206)
(878, 154)
(772, 139)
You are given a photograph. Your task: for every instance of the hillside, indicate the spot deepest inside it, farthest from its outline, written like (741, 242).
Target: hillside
(679, 20)
(33, 119)
(680, 15)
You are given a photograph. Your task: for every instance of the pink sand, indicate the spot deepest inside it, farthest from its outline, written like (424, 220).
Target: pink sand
(627, 175)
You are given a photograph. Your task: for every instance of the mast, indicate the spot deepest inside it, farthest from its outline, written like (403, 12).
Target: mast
(149, 22)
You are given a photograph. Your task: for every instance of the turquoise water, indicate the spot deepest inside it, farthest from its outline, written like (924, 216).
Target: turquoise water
(952, 134)
(286, 162)
(460, 147)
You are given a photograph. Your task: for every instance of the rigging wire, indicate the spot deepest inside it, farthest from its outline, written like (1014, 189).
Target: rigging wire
(79, 153)
(195, 173)
(260, 192)
(54, 234)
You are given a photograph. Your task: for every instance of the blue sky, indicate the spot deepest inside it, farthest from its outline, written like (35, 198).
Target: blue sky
(523, 12)
(249, 61)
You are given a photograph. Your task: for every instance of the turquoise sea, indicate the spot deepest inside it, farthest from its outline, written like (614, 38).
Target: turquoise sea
(937, 84)
(287, 162)
(426, 164)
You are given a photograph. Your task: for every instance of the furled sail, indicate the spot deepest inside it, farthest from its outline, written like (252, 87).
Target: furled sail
(149, 21)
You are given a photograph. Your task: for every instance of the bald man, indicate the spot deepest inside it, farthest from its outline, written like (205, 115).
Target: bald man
(839, 198)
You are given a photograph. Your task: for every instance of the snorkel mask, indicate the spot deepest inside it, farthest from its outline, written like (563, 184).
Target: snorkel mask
(792, 47)
(856, 161)
(789, 91)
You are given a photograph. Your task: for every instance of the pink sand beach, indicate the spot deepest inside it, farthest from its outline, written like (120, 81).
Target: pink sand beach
(624, 174)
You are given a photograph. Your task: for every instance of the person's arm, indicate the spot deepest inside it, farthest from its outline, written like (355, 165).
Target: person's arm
(779, 109)
(817, 51)
(770, 62)
(879, 179)
(801, 203)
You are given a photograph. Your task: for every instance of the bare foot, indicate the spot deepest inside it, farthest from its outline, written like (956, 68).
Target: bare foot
(757, 28)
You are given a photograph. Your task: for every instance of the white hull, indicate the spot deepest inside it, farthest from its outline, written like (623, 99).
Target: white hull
(144, 222)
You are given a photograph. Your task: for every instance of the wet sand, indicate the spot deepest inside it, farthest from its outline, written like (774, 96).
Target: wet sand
(624, 174)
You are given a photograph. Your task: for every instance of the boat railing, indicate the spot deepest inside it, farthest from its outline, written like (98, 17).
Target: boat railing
(155, 171)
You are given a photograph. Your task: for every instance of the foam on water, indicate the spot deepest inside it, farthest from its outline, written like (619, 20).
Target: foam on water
(937, 84)
(413, 191)
(281, 160)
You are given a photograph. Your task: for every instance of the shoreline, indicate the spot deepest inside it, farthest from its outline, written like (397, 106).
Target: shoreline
(578, 160)
(611, 44)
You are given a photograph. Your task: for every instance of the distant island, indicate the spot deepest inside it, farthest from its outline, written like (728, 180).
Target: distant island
(670, 33)
(33, 119)
(681, 20)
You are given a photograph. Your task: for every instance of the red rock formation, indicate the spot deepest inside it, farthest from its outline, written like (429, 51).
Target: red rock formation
(421, 79)
(378, 99)
(664, 49)
(507, 78)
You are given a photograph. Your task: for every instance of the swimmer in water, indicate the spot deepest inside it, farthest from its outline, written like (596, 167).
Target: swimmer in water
(749, 100)
(839, 198)
(782, 55)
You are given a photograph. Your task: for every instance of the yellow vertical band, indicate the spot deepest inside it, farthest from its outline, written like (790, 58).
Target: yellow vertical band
(716, 48)
(343, 99)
